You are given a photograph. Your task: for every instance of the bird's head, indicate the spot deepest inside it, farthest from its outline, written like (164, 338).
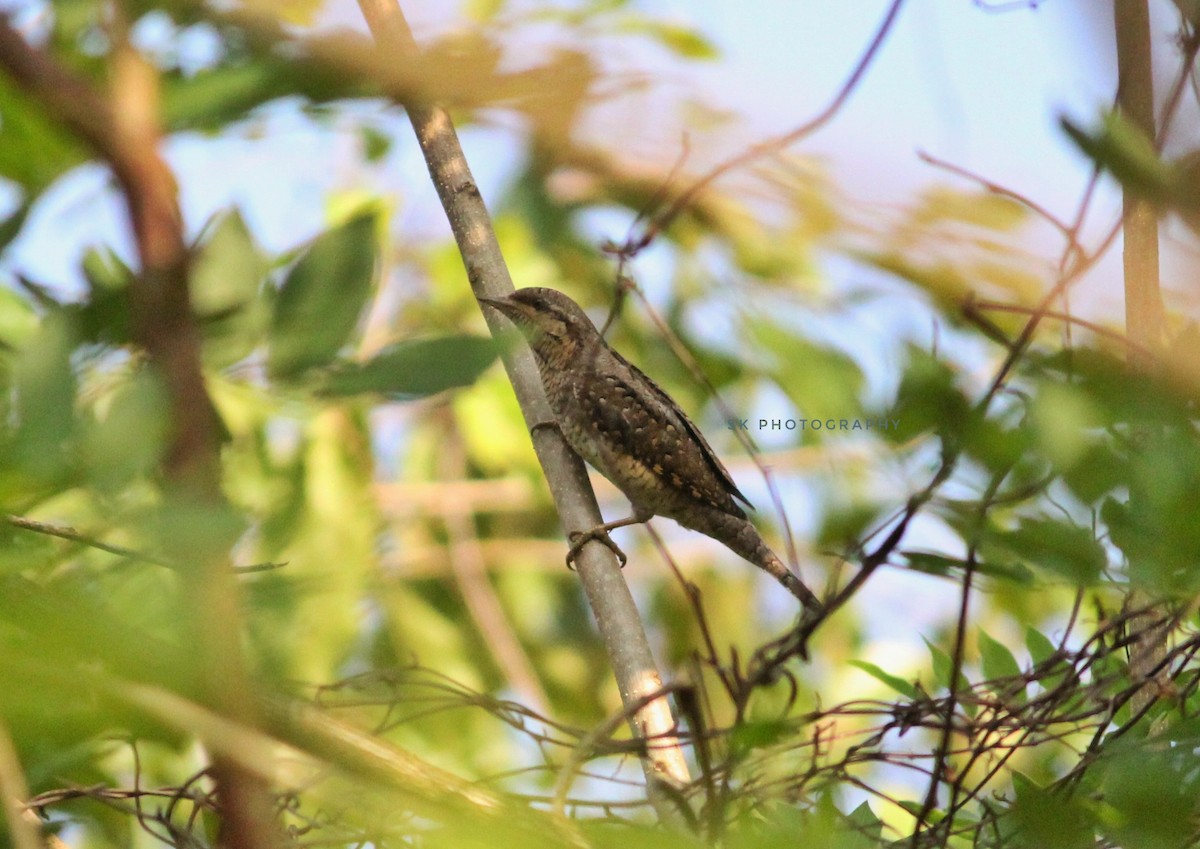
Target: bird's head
(557, 328)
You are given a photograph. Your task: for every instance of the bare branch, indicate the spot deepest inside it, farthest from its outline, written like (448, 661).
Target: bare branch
(609, 595)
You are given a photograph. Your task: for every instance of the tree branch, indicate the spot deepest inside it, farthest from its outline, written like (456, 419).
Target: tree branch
(1143, 296)
(611, 601)
(122, 129)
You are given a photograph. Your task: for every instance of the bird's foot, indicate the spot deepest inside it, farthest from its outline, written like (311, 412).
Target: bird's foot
(579, 539)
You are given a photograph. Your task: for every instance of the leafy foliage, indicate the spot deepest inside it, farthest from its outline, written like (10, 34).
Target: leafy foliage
(399, 565)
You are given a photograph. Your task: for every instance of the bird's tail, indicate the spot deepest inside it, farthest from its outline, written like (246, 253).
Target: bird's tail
(742, 538)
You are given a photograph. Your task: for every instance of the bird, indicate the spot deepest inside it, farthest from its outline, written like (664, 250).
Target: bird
(628, 429)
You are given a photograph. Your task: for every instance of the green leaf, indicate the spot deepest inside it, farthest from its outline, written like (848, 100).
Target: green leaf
(943, 665)
(901, 686)
(999, 665)
(828, 385)
(36, 149)
(1123, 150)
(130, 438)
(323, 297)
(1044, 819)
(18, 321)
(104, 316)
(928, 400)
(1040, 647)
(10, 228)
(414, 368)
(228, 270)
(756, 734)
(45, 384)
(214, 97)
(376, 144)
(1153, 793)
(933, 564)
(227, 292)
(682, 41)
(1056, 546)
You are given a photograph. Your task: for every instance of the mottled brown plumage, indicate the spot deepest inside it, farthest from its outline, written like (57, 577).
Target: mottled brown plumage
(631, 431)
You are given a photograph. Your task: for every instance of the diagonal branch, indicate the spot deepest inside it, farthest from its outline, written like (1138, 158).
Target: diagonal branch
(620, 625)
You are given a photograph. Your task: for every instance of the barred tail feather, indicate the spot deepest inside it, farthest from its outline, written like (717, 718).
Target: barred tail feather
(742, 538)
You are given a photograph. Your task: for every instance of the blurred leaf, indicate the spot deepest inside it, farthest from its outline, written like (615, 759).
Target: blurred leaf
(901, 686)
(64, 624)
(1001, 445)
(294, 12)
(36, 149)
(483, 11)
(943, 666)
(943, 281)
(18, 321)
(1068, 551)
(1039, 645)
(414, 368)
(843, 525)
(827, 387)
(983, 209)
(227, 292)
(1153, 795)
(129, 440)
(214, 97)
(1045, 819)
(1156, 530)
(932, 563)
(756, 734)
(323, 297)
(10, 228)
(1123, 395)
(228, 270)
(1123, 150)
(104, 316)
(682, 41)
(999, 665)
(929, 400)
(45, 406)
(1041, 649)
(376, 144)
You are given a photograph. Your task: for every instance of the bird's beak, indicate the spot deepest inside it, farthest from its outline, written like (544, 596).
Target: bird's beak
(510, 309)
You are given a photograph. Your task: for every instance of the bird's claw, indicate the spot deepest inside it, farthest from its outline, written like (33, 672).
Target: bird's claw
(579, 539)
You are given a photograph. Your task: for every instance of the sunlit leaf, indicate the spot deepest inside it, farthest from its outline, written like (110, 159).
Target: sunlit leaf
(682, 41)
(1039, 645)
(999, 663)
(904, 688)
(18, 321)
(322, 298)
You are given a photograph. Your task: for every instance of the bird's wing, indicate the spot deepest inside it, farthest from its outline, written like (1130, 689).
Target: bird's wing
(642, 421)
